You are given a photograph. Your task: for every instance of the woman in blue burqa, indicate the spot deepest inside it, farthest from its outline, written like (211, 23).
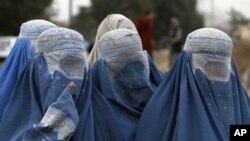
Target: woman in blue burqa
(201, 96)
(123, 82)
(39, 109)
(19, 56)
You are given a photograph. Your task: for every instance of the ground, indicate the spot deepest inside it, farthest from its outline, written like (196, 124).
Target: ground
(241, 55)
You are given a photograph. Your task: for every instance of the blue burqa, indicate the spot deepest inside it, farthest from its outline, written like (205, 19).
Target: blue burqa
(85, 128)
(18, 58)
(123, 82)
(12, 68)
(192, 105)
(115, 119)
(39, 109)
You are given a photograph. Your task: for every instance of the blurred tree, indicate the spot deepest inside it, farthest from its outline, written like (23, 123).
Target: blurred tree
(88, 19)
(14, 12)
(185, 10)
(236, 19)
(133, 8)
(85, 23)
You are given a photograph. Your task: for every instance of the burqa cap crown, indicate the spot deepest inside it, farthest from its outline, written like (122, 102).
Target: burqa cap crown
(33, 28)
(60, 38)
(209, 41)
(118, 42)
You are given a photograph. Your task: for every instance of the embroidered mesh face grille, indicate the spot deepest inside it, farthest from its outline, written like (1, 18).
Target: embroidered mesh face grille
(72, 65)
(214, 67)
(211, 53)
(117, 65)
(132, 73)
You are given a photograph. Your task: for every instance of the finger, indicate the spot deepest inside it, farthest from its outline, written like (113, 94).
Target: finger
(71, 85)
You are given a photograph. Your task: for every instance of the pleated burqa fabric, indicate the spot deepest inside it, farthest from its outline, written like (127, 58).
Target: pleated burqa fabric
(124, 79)
(111, 22)
(21, 53)
(39, 109)
(201, 96)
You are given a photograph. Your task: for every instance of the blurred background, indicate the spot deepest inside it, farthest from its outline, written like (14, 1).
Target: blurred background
(172, 20)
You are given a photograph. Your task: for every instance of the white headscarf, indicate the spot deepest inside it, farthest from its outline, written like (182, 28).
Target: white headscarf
(111, 22)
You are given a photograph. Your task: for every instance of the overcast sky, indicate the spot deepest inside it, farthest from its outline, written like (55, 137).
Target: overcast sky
(222, 8)
(62, 8)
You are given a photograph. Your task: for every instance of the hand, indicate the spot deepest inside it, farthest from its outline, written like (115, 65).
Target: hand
(71, 85)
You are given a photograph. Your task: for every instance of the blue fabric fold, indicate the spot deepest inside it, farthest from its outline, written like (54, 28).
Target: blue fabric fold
(15, 63)
(187, 106)
(118, 102)
(85, 128)
(61, 117)
(34, 93)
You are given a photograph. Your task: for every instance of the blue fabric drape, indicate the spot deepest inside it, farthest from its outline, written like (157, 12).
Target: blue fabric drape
(12, 68)
(119, 102)
(35, 91)
(189, 107)
(85, 128)
(57, 115)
